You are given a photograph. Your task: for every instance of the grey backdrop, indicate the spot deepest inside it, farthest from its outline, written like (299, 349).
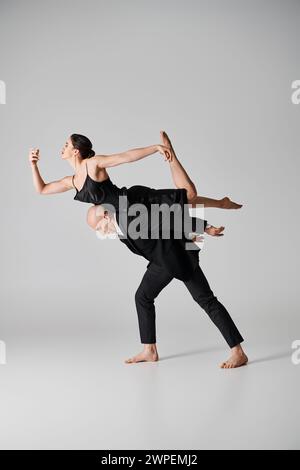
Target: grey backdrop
(216, 75)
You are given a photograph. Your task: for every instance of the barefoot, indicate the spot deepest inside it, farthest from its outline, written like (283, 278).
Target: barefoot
(166, 141)
(144, 356)
(226, 203)
(236, 359)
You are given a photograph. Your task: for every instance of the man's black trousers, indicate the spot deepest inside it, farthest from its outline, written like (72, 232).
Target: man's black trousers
(156, 278)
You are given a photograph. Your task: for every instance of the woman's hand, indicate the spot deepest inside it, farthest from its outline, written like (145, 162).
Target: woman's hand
(166, 151)
(214, 231)
(34, 156)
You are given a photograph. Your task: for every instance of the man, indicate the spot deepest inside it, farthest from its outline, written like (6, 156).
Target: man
(157, 276)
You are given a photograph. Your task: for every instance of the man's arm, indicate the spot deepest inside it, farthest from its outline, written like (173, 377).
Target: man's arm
(195, 224)
(207, 228)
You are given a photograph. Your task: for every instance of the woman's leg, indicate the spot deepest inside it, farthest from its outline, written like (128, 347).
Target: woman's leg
(182, 180)
(180, 177)
(224, 203)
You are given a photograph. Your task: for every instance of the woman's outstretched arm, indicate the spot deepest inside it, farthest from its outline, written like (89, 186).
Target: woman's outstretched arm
(106, 161)
(59, 186)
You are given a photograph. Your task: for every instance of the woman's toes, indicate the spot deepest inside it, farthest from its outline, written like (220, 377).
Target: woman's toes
(226, 203)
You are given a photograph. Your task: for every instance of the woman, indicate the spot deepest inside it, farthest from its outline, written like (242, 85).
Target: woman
(78, 150)
(93, 185)
(168, 257)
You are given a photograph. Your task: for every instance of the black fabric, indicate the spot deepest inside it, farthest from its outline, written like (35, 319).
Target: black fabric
(179, 256)
(96, 192)
(154, 281)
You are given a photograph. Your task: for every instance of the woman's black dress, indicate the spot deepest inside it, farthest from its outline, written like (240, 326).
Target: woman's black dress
(170, 253)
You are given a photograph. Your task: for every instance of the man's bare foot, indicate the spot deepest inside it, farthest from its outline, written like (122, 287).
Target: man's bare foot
(238, 358)
(166, 141)
(149, 354)
(227, 203)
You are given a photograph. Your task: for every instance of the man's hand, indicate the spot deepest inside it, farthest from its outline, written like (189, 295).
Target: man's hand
(214, 231)
(198, 238)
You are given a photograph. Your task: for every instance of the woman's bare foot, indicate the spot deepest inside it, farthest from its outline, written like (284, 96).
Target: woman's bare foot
(238, 358)
(149, 354)
(227, 203)
(166, 141)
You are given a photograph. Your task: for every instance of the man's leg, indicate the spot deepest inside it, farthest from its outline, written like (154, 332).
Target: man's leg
(153, 282)
(204, 296)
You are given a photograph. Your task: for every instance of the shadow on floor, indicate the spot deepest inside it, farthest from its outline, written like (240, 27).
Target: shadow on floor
(192, 353)
(271, 357)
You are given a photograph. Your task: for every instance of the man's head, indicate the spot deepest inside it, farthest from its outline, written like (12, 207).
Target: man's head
(101, 220)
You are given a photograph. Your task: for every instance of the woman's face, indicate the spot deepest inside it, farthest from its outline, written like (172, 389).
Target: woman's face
(68, 150)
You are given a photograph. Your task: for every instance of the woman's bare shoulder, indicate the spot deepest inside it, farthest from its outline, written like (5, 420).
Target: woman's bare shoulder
(96, 169)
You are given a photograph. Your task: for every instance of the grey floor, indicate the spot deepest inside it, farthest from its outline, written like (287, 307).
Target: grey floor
(65, 385)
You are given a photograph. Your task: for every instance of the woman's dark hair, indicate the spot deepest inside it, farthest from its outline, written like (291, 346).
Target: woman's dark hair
(83, 144)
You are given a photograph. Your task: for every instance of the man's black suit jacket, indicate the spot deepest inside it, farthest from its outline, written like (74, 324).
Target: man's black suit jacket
(172, 254)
